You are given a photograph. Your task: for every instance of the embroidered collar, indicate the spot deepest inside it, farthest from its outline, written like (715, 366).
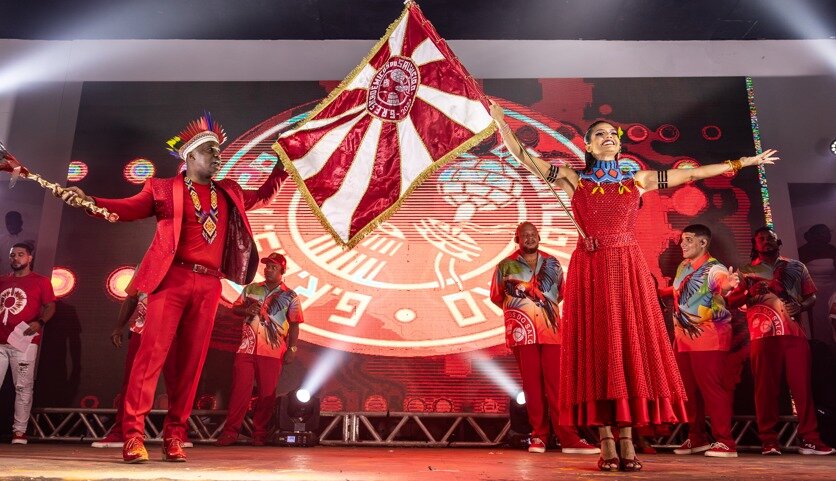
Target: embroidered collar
(604, 171)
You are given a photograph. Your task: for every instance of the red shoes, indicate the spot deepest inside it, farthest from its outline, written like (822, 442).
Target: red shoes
(721, 450)
(536, 445)
(609, 464)
(133, 451)
(629, 465)
(689, 447)
(816, 448)
(580, 447)
(173, 450)
(226, 439)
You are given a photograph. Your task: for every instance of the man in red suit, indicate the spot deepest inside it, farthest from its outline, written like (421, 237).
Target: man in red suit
(202, 235)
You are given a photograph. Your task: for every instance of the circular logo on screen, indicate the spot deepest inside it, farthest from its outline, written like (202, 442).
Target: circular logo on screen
(392, 89)
(419, 284)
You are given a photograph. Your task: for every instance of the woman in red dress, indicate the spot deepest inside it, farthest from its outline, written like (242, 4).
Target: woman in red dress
(618, 367)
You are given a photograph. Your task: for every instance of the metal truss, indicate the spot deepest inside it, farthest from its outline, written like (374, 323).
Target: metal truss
(365, 428)
(80, 425)
(745, 432)
(415, 429)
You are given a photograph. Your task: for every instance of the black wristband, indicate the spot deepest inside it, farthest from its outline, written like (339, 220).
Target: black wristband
(41, 322)
(552, 175)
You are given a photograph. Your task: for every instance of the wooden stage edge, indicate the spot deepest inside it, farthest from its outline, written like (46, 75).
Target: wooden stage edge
(45, 461)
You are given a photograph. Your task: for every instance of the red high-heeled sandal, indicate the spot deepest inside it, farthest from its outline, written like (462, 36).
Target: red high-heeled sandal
(629, 465)
(610, 464)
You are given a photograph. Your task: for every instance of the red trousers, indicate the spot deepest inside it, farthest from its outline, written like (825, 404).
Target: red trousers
(710, 390)
(771, 358)
(181, 311)
(169, 377)
(266, 371)
(540, 372)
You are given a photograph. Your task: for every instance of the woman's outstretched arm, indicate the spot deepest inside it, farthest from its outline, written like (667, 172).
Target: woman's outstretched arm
(660, 179)
(533, 164)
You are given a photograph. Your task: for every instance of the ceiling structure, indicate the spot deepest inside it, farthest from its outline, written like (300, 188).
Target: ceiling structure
(674, 20)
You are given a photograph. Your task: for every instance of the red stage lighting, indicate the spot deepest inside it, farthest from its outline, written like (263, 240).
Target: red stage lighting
(332, 403)
(711, 132)
(414, 405)
(686, 163)
(76, 171)
(443, 405)
(375, 403)
(492, 406)
(118, 280)
(689, 200)
(63, 281)
(138, 171)
(637, 132)
(668, 133)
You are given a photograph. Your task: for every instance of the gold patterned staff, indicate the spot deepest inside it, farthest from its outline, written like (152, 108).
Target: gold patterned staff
(8, 163)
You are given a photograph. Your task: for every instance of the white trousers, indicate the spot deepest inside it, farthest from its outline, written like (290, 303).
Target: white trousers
(23, 375)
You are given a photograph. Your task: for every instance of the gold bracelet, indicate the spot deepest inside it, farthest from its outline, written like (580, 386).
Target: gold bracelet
(735, 165)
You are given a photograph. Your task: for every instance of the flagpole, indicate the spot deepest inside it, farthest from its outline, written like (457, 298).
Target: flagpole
(486, 102)
(551, 188)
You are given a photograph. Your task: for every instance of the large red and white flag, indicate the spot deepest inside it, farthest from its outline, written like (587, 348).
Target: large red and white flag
(406, 110)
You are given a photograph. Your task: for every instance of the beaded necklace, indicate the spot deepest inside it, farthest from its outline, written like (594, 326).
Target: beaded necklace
(209, 220)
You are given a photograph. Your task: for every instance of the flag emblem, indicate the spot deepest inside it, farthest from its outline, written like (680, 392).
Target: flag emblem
(407, 109)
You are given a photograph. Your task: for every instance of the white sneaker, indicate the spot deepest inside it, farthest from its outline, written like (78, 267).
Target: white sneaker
(720, 450)
(687, 448)
(581, 447)
(536, 445)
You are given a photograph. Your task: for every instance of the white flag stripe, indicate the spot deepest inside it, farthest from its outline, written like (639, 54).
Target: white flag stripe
(470, 114)
(339, 208)
(363, 79)
(315, 124)
(414, 155)
(311, 163)
(426, 52)
(396, 39)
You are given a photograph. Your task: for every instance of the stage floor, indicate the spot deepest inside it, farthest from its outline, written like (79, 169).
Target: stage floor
(75, 461)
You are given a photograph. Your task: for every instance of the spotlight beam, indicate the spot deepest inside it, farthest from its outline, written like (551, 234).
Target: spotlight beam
(495, 373)
(323, 369)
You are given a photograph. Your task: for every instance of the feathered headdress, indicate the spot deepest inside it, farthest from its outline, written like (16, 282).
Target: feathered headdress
(200, 131)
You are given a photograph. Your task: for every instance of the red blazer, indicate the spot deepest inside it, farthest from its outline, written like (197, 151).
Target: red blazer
(163, 198)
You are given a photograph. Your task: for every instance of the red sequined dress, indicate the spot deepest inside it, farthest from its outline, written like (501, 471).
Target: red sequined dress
(617, 365)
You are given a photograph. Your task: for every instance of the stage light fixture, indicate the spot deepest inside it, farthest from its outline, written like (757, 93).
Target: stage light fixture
(303, 395)
(63, 281)
(77, 171)
(833, 147)
(138, 171)
(520, 432)
(118, 281)
(298, 419)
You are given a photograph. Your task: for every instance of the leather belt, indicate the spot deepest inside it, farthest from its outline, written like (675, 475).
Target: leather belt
(200, 269)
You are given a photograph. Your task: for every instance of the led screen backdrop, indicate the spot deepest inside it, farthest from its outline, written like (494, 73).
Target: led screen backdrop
(403, 320)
